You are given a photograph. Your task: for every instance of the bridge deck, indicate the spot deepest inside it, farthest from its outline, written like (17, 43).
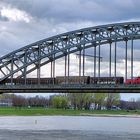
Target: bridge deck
(70, 88)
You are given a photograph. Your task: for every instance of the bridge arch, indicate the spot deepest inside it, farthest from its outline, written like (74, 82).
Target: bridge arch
(64, 44)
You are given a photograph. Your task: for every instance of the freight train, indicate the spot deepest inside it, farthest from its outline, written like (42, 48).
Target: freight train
(64, 80)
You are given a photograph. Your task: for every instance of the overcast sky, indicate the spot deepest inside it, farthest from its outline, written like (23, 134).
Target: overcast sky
(25, 21)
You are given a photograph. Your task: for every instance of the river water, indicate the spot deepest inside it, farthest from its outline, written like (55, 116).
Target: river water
(69, 128)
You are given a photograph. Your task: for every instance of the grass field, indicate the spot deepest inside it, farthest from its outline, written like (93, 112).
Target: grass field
(45, 111)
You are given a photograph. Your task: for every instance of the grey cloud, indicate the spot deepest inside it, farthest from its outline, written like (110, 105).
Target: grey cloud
(79, 10)
(4, 19)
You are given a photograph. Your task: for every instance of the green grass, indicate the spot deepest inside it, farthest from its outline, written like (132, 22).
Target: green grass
(44, 111)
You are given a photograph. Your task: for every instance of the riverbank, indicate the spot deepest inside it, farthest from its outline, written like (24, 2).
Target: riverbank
(66, 135)
(111, 115)
(68, 112)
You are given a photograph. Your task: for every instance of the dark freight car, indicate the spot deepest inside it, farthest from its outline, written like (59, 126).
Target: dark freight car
(106, 80)
(29, 81)
(71, 79)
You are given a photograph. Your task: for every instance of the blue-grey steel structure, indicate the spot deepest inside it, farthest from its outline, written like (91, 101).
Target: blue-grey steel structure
(49, 50)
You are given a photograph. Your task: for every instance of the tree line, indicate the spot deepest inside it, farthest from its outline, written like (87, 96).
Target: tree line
(86, 101)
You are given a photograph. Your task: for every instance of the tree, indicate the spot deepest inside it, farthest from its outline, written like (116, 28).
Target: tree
(56, 102)
(99, 100)
(72, 97)
(60, 102)
(80, 100)
(112, 99)
(88, 100)
(19, 101)
(64, 102)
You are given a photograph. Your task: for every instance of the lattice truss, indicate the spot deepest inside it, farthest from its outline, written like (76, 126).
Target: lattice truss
(50, 49)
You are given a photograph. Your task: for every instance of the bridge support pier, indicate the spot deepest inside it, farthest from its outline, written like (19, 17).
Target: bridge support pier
(38, 74)
(65, 67)
(25, 68)
(132, 59)
(68, 65)
(110, 45)
(79, 63)
(95, 61)
(12, 65)
(99, 60)
(126, 43)
(83, 60)
(52, 70)
(115, 58)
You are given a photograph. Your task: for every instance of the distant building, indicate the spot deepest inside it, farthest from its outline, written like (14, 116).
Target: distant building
(6, 102)
(93, 107)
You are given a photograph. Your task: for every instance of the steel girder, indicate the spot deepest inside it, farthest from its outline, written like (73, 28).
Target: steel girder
(61, 45)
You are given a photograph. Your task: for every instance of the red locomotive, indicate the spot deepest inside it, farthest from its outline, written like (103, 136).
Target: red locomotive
(133, 81)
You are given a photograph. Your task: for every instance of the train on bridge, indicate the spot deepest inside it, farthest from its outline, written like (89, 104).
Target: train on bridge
(133, 81)
(64, 80)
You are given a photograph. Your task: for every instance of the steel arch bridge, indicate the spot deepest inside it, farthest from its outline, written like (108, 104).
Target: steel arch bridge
(32, 57)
